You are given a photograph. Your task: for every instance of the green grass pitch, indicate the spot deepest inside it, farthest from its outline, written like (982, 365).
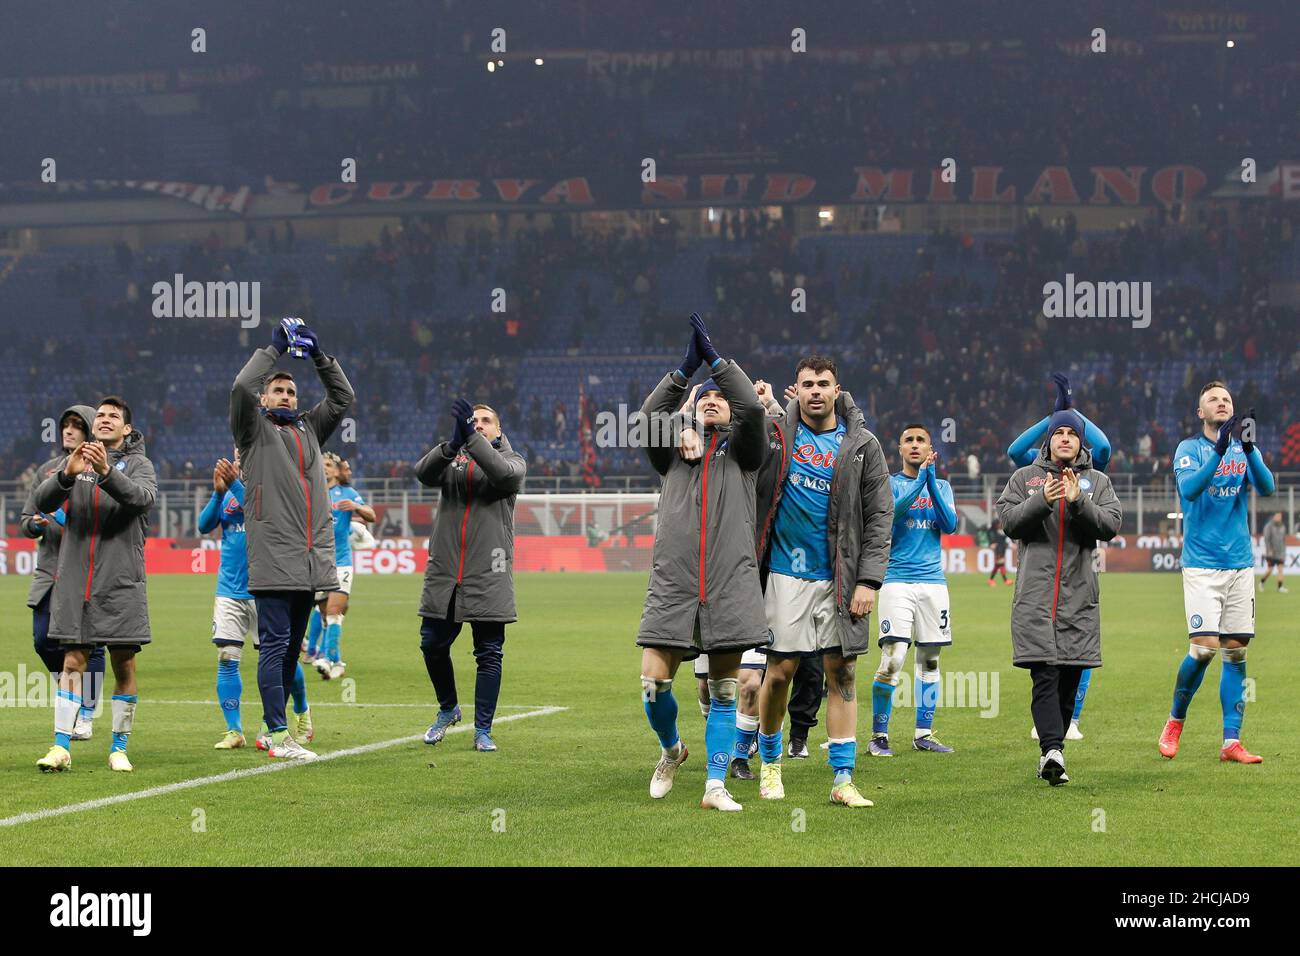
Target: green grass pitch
(570, 787)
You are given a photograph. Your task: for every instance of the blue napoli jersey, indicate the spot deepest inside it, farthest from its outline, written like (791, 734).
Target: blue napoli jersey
(799, 542)
(232, 579)
(343, 523)
(916, 555)
(1216, 525)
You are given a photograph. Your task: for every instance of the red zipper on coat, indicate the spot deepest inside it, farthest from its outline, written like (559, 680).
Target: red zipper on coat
(704, 513)
(94, 530)
(464, 522)
(1060, 549)
(776, 494)
(306, 493)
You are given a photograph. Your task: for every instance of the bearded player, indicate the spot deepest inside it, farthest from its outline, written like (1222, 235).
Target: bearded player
(1214, 469)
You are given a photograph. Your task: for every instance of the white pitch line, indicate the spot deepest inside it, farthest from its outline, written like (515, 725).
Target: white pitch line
(273, 767)
(430, 705)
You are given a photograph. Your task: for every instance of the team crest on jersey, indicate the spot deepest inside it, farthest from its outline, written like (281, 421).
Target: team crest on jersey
(1085, 483)
(1196, 621)
(121, 465)
(884, 625)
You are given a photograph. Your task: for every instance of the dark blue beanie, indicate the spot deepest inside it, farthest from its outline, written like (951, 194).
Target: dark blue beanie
(708, 385)
(1066, 416)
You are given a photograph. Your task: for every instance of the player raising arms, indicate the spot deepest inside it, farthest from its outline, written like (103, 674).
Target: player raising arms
(333, 605)
(704, 593)
(234, 613)
(753, 662)
(1213, 470)
(74, 428)
(471, 571)
(106, 487)
(914, 598)
(1058, 508)
(290, 539)
(829, 553)
(1022, 452)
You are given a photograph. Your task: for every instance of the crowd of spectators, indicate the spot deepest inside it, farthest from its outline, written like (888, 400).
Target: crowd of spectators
(937, 343)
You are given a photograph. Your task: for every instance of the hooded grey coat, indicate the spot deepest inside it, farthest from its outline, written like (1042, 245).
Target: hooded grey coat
(473, 542)
(704, 563)
(51, 532)
(99, 592)
(1055, 616)
(859, 522)
(286, 500)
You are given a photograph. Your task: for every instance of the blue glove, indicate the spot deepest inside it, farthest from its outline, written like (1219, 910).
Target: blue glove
(463, 413)
(1064, 396)
(701, 342)
(305, 338)
(280, 336)
(693, 360)
(1225, 436)
(1247, 446)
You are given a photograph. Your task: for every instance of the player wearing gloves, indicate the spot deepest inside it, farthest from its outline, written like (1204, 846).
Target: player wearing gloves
(704, 594)
(290, 534)
(1214, 470)
(470, 575)
(914, 598)
(106, 488)
(74, 428)
(1022, 452)
(1058, 508)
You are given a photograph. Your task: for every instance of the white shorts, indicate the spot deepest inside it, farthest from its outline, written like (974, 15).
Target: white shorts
(801, 615)
(344, 571)
(914, 613)
(753, 659)
(1219, 603)
(234, 621)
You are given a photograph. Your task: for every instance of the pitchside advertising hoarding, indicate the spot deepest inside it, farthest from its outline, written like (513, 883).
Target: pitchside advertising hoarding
(592, 552)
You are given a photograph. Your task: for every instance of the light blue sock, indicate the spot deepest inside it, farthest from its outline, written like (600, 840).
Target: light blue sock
(1232, 695)
(744, 736)
(927, 702)
(230, 688)
(843, 757)
(882, 705)
(66, 704)
(313, 632)
(769, 747)
(1190, 674)
(1081, 694)
(661, 710)
(119, 739)
(720, 736)
(332, 634)
(298, 690)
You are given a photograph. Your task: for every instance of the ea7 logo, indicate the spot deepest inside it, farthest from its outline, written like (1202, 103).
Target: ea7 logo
(103, 909)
